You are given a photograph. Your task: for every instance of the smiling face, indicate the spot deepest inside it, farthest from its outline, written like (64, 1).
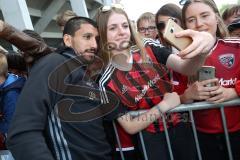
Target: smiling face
(201, 17)
(84, 41)
(118, 31)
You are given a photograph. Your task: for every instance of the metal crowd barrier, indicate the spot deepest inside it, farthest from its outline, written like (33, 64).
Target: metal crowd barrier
(190, 108)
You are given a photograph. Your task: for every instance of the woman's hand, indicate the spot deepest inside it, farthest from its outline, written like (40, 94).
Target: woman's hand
(200, 90)
(170, 101)
(202, 43)
(222, 94)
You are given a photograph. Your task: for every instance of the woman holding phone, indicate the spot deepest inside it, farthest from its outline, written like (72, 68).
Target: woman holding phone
(203, 15)
(136, 88)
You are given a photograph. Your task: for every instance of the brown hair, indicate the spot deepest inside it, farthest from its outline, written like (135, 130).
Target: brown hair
(231, 10)
(102, 18)
(222, 31)
(146, 16)
(171, 10)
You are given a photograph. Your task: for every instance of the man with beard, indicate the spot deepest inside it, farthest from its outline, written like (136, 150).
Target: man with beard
(60, 111)
(58, 115)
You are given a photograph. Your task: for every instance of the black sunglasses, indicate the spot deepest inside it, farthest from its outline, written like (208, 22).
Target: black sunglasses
(161, 25)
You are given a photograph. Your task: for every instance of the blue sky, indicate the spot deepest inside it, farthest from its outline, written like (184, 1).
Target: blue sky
(135, 8)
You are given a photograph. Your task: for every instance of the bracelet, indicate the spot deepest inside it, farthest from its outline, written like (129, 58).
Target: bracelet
(237, 87)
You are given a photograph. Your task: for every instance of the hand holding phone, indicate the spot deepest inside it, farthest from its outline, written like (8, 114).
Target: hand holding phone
(205, 73)
(169, 34)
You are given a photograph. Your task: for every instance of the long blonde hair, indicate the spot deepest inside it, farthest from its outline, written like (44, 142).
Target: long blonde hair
(102, 18)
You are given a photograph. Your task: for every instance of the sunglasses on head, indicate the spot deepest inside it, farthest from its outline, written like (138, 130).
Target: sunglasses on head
(161, 25)
(183, 2)
(108, 8)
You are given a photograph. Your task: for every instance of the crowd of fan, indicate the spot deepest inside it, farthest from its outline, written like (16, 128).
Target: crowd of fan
(22, 70)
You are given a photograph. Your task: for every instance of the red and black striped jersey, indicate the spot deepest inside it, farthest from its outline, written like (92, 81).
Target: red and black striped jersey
(144, 85)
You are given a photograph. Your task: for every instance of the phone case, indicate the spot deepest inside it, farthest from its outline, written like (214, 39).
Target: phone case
(169, 34)
(205, 73)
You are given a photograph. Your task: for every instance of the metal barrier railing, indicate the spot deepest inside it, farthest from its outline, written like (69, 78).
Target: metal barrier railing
(190, 108)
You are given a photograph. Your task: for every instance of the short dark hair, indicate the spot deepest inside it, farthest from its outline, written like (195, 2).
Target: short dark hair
(33, 34)
(75, 23)
(16, 61)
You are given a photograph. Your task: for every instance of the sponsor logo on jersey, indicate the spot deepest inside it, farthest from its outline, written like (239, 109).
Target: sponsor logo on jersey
(227, 82)
(227, 60)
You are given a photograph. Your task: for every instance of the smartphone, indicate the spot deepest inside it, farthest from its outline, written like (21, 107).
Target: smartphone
(205, 73)
(169, 34)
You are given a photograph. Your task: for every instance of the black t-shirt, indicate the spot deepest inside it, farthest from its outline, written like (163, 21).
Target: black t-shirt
(161, 52)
